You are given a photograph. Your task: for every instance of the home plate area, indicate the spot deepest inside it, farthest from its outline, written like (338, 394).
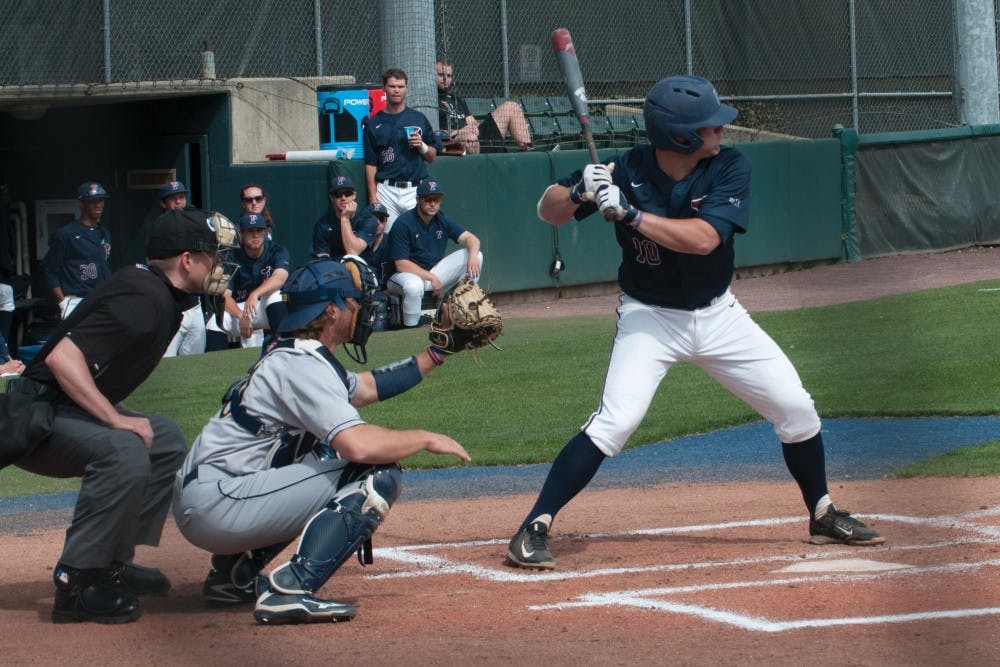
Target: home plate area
(746, 574)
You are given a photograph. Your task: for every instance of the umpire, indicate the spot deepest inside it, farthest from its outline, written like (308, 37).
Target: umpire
(98, 356)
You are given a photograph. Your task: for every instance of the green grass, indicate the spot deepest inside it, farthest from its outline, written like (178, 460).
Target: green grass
(925, 354)
(973, 461)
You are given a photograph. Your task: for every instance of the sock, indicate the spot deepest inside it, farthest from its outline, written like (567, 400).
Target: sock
(572, 470)
(216, 341)
(275, 313)
(807, 463)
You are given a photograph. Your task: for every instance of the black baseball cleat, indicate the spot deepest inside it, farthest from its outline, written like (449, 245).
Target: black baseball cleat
(839, 527)
(135, 579)
(220, 591)
(275, 607)
(529, 548)
(82, 597)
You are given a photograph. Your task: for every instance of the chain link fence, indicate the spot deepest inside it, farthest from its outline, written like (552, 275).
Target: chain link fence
(794, 67)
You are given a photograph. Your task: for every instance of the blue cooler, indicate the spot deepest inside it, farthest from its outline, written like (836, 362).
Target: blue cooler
(341, 112)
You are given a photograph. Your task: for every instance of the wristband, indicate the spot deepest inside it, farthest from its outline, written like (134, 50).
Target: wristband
(436, 354)
(423, 148)
(394, 379)
(637, 221)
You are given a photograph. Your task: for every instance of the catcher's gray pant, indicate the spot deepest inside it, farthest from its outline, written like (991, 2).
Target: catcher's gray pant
(225, 515)
(126, 488)
(411, 288)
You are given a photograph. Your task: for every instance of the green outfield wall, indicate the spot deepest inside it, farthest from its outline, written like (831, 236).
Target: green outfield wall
(795, 212)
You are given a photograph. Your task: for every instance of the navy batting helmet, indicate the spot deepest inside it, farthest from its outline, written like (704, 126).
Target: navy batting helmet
(677, 107)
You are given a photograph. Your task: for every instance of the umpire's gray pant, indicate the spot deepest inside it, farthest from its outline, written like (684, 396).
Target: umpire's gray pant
(126, 488)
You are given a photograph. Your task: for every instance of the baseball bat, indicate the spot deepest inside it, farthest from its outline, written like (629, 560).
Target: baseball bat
(562, 42)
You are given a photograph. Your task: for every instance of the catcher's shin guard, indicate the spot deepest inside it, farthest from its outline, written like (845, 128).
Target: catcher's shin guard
(339, 530)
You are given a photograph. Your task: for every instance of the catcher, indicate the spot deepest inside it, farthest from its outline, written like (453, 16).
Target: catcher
(288, 455)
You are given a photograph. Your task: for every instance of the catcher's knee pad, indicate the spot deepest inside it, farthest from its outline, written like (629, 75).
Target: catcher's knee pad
(339, 530)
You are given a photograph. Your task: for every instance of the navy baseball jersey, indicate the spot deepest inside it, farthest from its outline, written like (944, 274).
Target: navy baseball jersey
(424, 245)
(326, 233)
(77, 259)
(718, 191)
(250, 273)
(388, 149)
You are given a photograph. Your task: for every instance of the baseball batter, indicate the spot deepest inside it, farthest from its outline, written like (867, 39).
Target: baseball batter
(396, 149)
(676, 206)
(77, 259)
(288, 454)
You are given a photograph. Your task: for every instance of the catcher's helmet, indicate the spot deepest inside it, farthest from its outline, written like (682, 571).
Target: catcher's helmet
(677, 107)
(310, 288)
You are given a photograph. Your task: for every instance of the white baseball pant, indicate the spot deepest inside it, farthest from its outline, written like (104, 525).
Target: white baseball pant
(190, 338)
(724, 341)
(231, 325)
(411, 288)
(68, 305)
(396, 200)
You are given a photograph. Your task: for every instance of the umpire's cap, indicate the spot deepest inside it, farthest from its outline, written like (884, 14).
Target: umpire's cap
(91, 190)
(172, 188)
(177, 231)
(310, 288)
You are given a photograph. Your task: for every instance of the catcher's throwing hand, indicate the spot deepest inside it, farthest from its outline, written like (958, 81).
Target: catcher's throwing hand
(615, 206)
(465, 320)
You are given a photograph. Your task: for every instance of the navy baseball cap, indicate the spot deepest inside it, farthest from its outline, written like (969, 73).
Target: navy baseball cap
(429, 187)
(341, 183)
(91, 190)
(172, 188)
(378, 209)
(310, 288)
(252, 221)
(180, 231)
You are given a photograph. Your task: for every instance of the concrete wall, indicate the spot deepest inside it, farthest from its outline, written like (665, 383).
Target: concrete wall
(275, 115)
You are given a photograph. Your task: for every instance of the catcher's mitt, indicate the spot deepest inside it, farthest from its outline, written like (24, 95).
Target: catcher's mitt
(465, 320)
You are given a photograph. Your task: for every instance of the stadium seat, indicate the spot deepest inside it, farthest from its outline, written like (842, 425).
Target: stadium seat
(480, 107)
(623, 130)
(543, 130)
(560, 106)
(569, 131)
(535, 106)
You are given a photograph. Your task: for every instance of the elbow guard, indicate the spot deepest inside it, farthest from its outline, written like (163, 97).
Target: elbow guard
(394, 379)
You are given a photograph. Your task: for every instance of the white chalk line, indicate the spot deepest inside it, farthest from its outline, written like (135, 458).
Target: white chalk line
(644, 599)
(433, 565)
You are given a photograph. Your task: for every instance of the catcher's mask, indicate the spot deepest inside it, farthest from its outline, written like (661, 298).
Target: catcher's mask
(310, 288)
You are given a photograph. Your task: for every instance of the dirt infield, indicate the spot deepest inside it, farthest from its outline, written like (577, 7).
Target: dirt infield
(716, 573)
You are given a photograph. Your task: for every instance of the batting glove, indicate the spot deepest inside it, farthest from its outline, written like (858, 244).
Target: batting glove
(595, 177)
(615, 207)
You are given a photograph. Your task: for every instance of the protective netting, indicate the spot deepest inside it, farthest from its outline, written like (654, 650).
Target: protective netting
(792, 66)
